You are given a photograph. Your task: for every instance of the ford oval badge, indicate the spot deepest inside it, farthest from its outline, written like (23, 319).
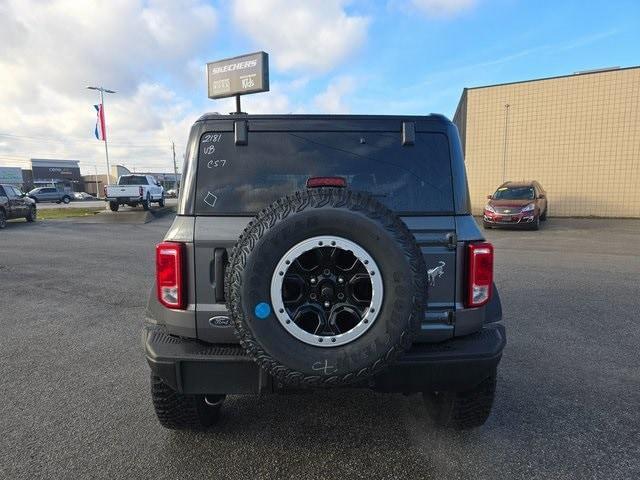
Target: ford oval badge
(220, 321)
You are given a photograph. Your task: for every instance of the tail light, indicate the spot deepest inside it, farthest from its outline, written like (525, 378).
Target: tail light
(169, 278)
(479, 273)
(140, 190)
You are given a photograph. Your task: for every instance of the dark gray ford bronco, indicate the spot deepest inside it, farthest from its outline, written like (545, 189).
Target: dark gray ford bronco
(323, 251)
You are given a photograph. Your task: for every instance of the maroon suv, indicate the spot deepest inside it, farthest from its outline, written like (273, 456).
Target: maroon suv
(516, 204)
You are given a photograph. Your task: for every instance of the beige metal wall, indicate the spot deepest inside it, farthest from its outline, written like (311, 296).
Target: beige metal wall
(579, 136)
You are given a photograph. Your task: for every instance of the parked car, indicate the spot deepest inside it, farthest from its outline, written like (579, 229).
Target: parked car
(369, 272)
(83, 196)
(172, 193)
(50, 194)
(134, 190)
(15, 204)
(516, 204)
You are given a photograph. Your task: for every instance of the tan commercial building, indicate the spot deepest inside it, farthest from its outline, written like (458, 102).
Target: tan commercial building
(578, 135)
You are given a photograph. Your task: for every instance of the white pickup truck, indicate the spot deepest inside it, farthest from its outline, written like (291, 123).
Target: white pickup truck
(134, 190)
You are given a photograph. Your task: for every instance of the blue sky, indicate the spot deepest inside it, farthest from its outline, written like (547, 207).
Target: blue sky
(388, 56)
(415, 63)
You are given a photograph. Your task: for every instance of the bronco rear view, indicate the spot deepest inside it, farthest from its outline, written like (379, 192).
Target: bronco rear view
(323, 251)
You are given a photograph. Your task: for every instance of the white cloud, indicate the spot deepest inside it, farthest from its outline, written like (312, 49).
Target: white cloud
(332, 99)
(52, 50)
(302, 35)
(443, 8)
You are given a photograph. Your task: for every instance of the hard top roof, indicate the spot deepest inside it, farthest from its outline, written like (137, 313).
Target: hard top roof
(519, 183)
(329, 123)
(436, 117)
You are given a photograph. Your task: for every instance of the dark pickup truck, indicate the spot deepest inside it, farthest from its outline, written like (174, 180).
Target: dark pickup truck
(323, 251)
(15, 204)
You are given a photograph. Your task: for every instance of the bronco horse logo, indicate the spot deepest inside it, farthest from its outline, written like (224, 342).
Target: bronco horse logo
(435, 272)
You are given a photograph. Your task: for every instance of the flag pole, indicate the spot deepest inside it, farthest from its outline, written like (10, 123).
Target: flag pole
(102, 91)
(106, 148)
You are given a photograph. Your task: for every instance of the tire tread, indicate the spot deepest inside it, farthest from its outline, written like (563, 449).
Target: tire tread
(177, 411)
(462, 410)
(317, 198)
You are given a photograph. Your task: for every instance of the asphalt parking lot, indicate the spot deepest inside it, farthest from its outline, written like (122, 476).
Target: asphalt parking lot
(91, 204)
(75, 401)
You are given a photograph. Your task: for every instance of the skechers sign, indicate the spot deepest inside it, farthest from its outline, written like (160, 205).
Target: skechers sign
(238, 75)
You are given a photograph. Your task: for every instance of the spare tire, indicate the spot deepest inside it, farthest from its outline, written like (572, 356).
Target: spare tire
(326, 287)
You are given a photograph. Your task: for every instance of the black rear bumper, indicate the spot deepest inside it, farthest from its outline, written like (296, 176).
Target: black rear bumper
(193, 367)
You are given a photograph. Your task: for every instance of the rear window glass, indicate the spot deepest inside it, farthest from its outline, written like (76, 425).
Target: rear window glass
(133, 180)
(244, 179)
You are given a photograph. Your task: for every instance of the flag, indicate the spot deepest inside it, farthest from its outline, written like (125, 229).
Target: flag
(101, 131)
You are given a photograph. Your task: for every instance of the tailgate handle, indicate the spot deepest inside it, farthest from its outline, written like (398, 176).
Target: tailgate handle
(219, 263)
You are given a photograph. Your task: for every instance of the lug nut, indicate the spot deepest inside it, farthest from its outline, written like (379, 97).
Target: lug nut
(341, 296)
(340, 280)
(327, 272)
(313, 296)
(313, 280)
(327, 304)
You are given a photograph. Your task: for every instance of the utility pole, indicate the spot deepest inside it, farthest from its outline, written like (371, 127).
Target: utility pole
(504, 151)
(175, 168)
(102, 91)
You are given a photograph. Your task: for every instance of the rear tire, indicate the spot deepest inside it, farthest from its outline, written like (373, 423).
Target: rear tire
(184, 412)
(31, 216)
(543, 217)
(161, 202)
(66, 199)
(462, 410)
(114, 206)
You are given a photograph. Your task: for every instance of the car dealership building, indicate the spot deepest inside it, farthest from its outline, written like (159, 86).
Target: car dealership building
(578, 135)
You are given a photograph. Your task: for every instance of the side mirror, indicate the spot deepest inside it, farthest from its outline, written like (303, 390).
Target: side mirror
(489, 197)
(541, 196)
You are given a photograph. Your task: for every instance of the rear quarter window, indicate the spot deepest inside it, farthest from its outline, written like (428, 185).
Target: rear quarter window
(242, 179)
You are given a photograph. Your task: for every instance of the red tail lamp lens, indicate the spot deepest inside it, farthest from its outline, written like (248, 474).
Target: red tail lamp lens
(169, 274)
(479, 274)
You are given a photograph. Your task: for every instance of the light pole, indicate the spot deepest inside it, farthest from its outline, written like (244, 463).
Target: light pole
(96, 178)
(102, 91)
(504, 151)
(175, 168)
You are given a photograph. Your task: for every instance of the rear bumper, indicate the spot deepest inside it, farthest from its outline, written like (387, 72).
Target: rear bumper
(194, 367)
(123, 199)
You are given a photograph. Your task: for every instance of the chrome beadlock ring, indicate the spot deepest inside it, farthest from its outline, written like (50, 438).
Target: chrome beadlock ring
(327, 292)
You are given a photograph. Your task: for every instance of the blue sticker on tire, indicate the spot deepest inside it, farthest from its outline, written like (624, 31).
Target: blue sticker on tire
(262, 310)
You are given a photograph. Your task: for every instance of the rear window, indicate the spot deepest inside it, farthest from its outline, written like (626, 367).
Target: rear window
(243, 179)
(133, 180)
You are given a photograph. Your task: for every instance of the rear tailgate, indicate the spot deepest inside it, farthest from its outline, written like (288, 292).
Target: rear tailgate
(121, 191)
(235, 180)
